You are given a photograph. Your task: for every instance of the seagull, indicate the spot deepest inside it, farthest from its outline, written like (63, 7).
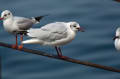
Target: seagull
(53, 34)
(14, 24)
(117, 39)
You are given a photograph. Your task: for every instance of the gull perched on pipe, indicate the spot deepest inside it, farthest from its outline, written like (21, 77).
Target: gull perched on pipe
(53, 34)
(14, 24)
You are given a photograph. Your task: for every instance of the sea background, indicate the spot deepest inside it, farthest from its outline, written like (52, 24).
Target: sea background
(99, 18)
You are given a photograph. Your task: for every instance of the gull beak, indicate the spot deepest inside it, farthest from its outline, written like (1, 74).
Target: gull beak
(81, 29)
(1, 18)
(115, 37)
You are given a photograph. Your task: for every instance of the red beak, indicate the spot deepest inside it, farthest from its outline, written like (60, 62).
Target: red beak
(1, 18)
(81, 29)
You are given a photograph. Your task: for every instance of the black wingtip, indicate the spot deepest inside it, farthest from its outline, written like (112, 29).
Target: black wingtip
(38, 18)
(117, 0)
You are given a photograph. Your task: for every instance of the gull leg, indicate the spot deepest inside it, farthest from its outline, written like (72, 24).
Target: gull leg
(21, 45)
(15, 45)
(59, 52)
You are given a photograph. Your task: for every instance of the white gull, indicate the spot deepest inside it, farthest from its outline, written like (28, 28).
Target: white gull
(14, 24)
(117, 39)
(53, 34)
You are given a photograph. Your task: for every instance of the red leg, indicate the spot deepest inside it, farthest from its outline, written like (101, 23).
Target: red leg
(59, 52)
(21, 39)
(15, 45)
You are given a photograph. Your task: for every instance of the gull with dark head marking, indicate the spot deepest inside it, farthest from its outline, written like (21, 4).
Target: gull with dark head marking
(54, 34)
(117, 39)
(14, 24)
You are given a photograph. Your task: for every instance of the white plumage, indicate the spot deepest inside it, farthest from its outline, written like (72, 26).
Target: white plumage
(117, 39)
(53, 34)
(14, 24)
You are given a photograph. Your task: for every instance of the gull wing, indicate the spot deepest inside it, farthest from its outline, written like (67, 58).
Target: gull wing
(23, 23)
(49, 32)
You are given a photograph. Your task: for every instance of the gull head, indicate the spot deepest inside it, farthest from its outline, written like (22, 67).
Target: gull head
(117, 39)
(75, 27)
(5, 15)
(117, 36)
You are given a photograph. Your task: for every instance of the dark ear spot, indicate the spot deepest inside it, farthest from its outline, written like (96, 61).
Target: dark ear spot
(115, 37)
(8, 13)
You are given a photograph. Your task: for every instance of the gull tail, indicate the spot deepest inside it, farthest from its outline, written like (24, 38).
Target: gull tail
(31, 41)
(38, 18)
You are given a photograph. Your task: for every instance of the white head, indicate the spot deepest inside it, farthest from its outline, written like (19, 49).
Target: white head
(5, 15)
(118, 32)
(75, 27)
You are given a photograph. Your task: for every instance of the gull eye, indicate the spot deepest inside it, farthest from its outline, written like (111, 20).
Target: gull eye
(74, 26)
(5, 15)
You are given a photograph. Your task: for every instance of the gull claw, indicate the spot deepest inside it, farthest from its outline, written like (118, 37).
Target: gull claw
(63, 57)
(20, 47)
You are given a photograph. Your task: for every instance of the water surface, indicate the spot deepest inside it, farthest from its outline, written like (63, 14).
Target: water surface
(100, 18)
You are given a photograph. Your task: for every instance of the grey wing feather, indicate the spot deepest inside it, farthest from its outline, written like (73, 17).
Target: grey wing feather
(23, 23)
(49, 32)
(57, 26)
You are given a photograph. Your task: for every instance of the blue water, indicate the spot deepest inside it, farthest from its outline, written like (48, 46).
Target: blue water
(100, 18)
